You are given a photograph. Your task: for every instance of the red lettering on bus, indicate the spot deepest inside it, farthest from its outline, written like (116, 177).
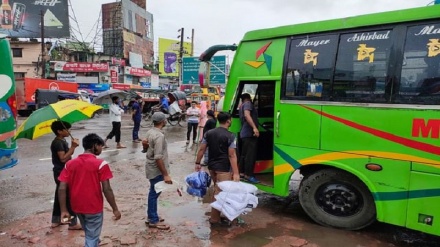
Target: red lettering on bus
(431, 128)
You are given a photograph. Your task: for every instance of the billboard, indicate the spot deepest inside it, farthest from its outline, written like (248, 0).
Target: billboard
(169, 55)
(190, 74)
(22, 18)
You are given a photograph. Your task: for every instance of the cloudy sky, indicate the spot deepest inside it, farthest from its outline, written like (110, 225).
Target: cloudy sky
(226, 21)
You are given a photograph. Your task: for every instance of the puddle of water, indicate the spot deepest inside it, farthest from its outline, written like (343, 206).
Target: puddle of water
(293, 221)
(191, 215)
(314, 235)
(254, 238)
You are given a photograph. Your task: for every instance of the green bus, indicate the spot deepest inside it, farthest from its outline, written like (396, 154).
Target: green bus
(352, 104)
(8, 108)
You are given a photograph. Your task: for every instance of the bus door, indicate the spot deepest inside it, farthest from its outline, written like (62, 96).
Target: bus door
(262, 95)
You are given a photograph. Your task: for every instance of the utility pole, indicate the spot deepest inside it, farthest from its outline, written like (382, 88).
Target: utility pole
(180, 57)
(192, 42)
(43, 47)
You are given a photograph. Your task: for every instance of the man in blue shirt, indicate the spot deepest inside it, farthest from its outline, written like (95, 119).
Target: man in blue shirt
(163, 104)
(137, 117)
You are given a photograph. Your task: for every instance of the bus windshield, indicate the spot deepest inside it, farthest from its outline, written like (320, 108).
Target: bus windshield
(350, 108)
(8, 110)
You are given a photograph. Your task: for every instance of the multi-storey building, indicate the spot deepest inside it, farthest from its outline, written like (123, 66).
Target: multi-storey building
(25, 56)
(128, 35)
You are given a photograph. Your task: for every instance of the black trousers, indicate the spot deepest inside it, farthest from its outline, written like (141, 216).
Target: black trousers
(193, 127)
(116, 131)
(248, 155)
(56, 211)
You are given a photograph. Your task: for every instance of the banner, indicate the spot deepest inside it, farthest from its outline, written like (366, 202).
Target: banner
(169, 55)
(81, 67)
(118, 61)
(136, 71)
(66, 77)
(121, 86)
(94, 86)
(22, 18)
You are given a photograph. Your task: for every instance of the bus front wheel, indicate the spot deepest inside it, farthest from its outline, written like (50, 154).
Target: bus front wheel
(337, 199)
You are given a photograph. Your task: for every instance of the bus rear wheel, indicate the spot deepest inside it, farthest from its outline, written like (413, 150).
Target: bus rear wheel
(337, 199)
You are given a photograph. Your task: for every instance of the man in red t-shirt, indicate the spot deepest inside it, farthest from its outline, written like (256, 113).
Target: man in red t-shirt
(84, 177)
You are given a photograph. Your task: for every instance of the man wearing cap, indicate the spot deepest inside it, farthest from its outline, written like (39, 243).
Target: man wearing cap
(115, 117)
(156, 168)
(136, 117)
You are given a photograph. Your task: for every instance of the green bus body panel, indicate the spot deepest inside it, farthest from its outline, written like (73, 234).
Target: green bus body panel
(347, 136)
(379, 131)
(390, 194)
(424, 202)
(415, 14)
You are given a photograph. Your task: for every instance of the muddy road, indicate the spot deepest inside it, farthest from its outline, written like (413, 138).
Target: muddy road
(26, 197)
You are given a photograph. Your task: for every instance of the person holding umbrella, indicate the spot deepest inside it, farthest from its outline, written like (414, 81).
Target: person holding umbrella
(115, 118)
(57, 118)
(61, 153)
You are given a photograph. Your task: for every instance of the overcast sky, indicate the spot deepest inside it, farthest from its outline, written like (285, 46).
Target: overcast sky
(226, 21)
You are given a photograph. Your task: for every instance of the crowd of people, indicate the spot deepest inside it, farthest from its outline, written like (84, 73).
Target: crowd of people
(81, 182)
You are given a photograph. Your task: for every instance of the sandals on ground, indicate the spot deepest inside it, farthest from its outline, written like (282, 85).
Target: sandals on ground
(160, 220)
(159, 226)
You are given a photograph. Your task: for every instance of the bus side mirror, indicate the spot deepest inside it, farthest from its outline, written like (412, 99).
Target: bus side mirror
(204, 74)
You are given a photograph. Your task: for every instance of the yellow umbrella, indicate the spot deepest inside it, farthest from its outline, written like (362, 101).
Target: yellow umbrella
(39, 122)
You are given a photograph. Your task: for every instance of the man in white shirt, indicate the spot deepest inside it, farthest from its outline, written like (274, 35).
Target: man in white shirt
(193, 114)
(115, 118)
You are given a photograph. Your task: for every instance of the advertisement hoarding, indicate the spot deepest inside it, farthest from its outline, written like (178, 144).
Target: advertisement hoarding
(169, 54)
(22, 18)
(190, 73)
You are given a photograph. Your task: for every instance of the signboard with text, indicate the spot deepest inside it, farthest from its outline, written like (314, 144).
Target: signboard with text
(81, 67)
(121, 86)
(190, 71)
(94, 86)
(71, 77)
(136, 71)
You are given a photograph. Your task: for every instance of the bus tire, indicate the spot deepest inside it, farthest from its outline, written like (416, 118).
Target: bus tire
(337, 199)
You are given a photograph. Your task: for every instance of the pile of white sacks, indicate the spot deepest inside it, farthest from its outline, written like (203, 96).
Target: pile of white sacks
(235, 199)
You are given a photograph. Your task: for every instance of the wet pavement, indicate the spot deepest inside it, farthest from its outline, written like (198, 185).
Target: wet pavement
(26, 197)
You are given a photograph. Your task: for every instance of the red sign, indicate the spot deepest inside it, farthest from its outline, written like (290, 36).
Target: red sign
(121, 86)
(118, 61)
(137, 71)
(81, 67)
(113, 76)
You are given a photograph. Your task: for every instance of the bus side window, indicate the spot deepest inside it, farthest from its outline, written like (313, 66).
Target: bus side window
(361, 67)
(310, 67)
(420, 75)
